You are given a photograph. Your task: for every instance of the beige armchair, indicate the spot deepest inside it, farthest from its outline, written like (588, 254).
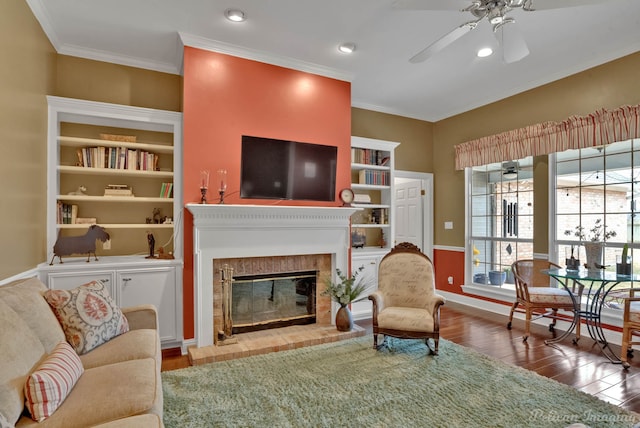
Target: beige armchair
(406, 304)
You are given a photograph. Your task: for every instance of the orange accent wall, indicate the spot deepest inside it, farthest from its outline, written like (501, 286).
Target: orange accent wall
(448, 263)
(226, 97)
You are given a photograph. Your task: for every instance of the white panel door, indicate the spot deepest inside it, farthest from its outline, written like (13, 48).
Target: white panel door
(408, 200)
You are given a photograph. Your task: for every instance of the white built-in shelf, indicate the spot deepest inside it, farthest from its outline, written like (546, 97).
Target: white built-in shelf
(360, 166)
(88, 198)
(118, 226)
(67, 169)
(356, 186)
(84, 142)
(370, 206)
(370, 225)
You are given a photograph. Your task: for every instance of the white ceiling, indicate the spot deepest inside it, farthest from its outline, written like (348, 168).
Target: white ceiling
(304, 34)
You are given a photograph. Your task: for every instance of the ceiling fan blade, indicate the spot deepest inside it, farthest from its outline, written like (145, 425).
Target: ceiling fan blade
(531, 5)
(431, 4)
(514, 47)
(443, 42)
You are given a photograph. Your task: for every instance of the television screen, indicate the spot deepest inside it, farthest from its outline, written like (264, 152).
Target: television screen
(280, 169)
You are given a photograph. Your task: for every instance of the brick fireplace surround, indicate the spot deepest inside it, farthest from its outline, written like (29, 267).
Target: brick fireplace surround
(258, 237)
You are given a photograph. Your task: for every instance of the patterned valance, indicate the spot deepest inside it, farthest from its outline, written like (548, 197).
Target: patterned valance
(576, 132)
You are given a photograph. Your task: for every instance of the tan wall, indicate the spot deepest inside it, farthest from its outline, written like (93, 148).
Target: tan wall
(608, 86)
(415, 152)
(34, 71)
(112, 83)
(27, 72)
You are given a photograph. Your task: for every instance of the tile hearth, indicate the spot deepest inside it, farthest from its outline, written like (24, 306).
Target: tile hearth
(273, 340)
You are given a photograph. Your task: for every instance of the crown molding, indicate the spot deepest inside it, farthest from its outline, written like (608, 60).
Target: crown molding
(261, 56)
(130, 61)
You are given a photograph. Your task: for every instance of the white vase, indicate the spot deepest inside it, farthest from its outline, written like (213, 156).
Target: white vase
(593, 251)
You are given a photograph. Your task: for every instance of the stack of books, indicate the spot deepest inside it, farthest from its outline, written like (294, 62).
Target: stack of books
(166, 189)
(118, 190)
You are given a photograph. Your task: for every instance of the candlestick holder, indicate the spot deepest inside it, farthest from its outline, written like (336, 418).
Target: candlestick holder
(203, 192)
(222, 179)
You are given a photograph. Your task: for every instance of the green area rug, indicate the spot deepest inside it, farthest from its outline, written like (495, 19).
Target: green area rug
(348, 384)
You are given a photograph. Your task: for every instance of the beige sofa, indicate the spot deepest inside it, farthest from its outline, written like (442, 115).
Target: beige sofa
(121, 384)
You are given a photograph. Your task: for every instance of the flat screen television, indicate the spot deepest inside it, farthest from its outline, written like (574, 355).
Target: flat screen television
(292, 170)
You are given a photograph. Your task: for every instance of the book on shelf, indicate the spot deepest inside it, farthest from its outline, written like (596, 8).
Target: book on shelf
(369, 156)
(117, 158)
(379, 178)
(166, 189)
(66, 213)
(361, 198)
(380, 216)
(85, 220)
(118, 190)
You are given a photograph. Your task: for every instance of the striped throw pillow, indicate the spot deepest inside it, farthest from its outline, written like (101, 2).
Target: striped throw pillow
(52, 381)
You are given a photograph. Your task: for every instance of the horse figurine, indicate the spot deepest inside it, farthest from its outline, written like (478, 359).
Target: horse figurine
(85, 244)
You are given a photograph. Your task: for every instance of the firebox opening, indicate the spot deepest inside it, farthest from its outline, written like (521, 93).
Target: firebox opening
(261, 302)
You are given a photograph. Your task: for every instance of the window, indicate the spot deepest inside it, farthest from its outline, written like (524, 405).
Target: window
(500, 227)
(599, 185)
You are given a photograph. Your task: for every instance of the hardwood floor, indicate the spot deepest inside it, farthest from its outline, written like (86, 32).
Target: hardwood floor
(581, 366)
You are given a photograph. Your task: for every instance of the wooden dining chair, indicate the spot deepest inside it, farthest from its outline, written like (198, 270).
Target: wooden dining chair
(537, 293)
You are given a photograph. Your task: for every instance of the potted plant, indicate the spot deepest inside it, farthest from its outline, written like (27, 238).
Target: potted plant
(344, 292)
(593, 242)
(624, 266)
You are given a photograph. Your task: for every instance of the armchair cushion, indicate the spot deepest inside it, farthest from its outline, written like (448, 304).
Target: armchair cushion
(410, 319)
(550, 296)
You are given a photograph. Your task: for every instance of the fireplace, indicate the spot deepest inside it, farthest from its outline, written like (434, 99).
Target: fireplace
(291, 273)
(271, 301)
(259, 240)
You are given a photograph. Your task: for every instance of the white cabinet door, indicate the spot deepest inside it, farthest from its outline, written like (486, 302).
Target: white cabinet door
(156, 286)
(369, 275)
(69, 280)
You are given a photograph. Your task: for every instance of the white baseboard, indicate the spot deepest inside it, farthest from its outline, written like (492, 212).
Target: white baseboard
(27, 274)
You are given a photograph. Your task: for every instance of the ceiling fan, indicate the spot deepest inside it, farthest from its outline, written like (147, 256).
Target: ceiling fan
(513, 45)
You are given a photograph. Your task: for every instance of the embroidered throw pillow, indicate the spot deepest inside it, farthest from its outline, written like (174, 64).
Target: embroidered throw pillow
(88, 315)
(48, 386)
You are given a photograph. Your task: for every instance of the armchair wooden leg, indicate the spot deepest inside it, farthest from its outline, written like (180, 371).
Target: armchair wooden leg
(626, 338)
(375, 340)
(513, 308)
(527, 325)
(554, 314)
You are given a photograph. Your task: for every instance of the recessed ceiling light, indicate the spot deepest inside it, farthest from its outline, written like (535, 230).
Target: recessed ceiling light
(347, 48)
(235, 15)
(484, 52)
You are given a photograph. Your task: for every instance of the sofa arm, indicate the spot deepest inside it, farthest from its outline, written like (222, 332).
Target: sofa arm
(141, 316)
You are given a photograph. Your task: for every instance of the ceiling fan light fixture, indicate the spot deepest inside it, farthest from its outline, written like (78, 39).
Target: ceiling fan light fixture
(495, 16)
(235, 15)
(510, 170)
(484, 52)
(347, 48)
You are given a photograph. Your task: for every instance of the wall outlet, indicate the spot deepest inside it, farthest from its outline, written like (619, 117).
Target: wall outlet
(448, 225)
(450, 280)
(106, 245)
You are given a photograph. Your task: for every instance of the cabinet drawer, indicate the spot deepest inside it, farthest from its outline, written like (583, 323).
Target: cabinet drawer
(67, 281)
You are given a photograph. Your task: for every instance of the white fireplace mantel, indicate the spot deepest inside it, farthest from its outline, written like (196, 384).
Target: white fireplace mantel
(231, 231)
